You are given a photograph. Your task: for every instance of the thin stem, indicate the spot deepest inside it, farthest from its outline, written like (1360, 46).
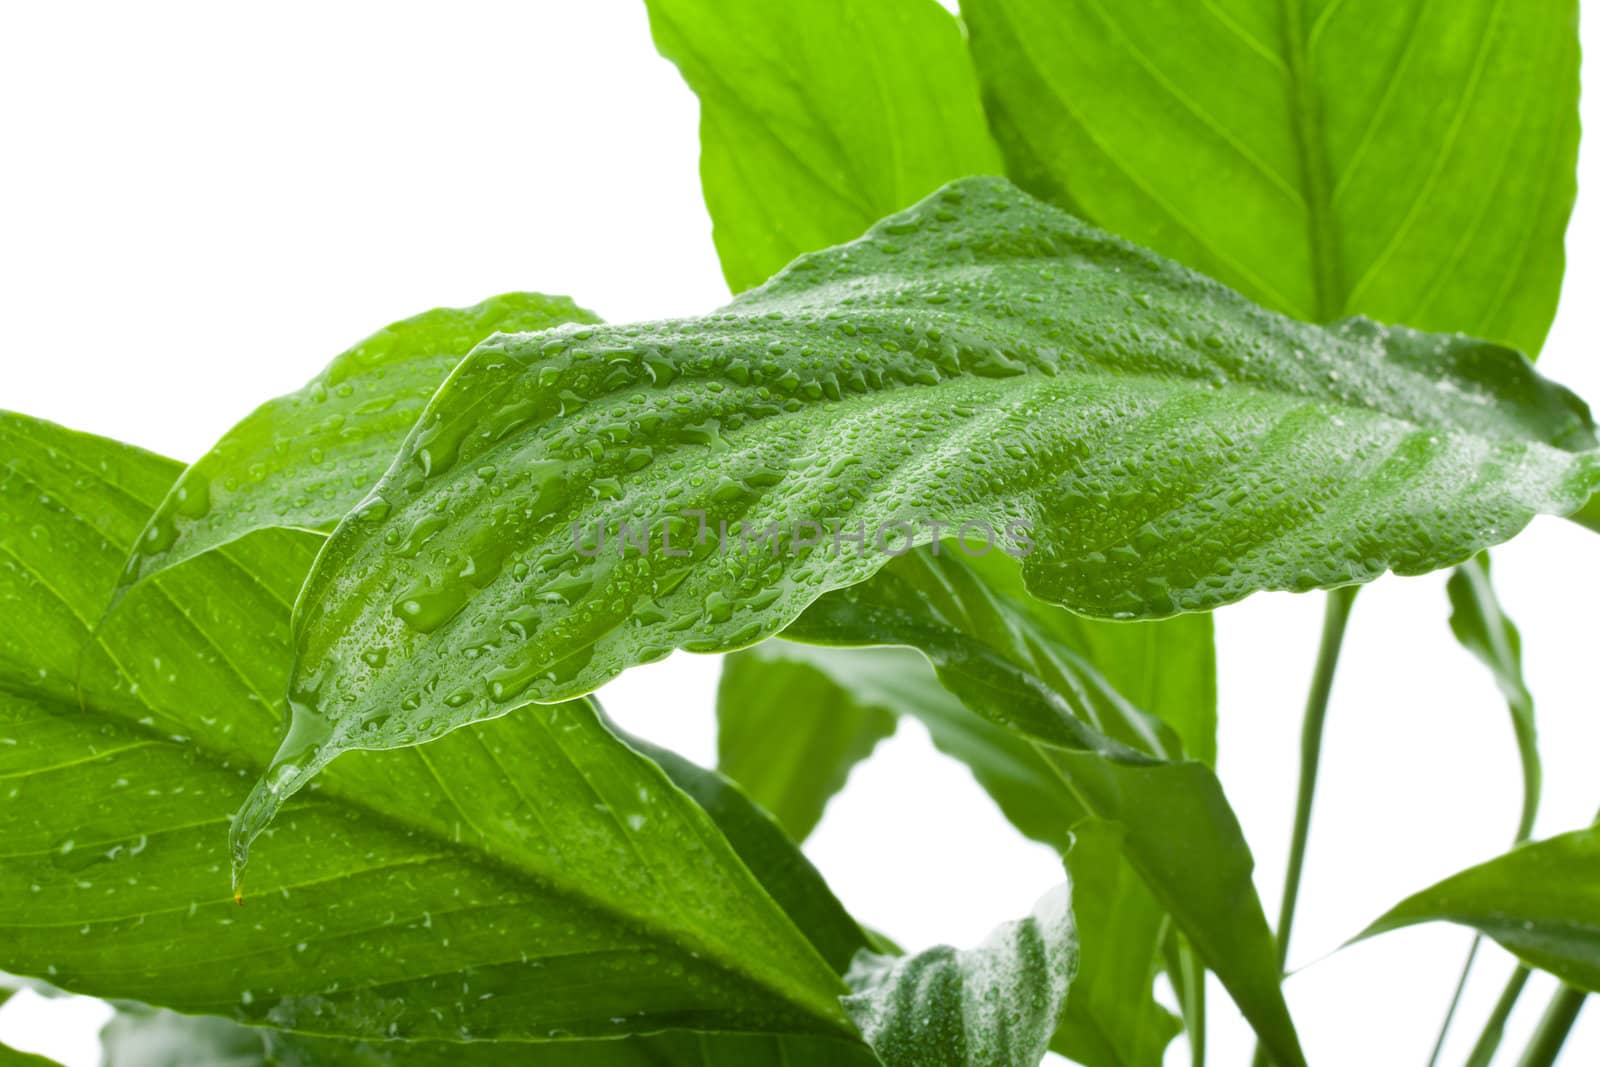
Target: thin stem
(1554, 1027)
(1527, 746)
(1455, 1000)
(1336, 615)
(1494, 1028)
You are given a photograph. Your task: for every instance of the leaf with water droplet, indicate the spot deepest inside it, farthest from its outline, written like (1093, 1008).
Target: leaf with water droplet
(1129, 456)
(303, 460)
(995, 1005)
(538, 874)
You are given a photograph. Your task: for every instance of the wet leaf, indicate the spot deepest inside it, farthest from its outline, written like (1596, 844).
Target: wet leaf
(980, 358)
(991, 1006)
(535, 879)
(163, 1039)
(303, 460)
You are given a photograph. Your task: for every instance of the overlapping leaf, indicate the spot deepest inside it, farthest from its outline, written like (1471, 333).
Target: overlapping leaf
(980, 357)
(820, 117)
(790, 735)
(1112, 1018)
(1409, 161)
(303, 460)
(1112, 760)
(535, 879)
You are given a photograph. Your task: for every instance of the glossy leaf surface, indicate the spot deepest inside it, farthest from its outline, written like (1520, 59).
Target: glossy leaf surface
(1400, 159)
(991, 1006)
(534, 879)
(820, 117)
(1541, 901)
(1119, 763)
(162, 1039)
(981, 357)
(304, 459)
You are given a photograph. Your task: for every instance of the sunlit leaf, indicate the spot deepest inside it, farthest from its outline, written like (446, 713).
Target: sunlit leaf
(819, 117)
(1395, 158)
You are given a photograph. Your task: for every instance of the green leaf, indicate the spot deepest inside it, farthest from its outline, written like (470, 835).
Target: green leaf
(981, 357)
(1540, 901)
(303, 460)
(142, 1038)
(1482, 627)
(1112, 1018)
(818, 118)
(1118, 763)
(991, 1006)
(791, 736)
(10, 1057)
(1409, 161)
(535, 878)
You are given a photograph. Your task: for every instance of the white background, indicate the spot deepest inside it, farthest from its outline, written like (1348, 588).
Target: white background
(200, 204)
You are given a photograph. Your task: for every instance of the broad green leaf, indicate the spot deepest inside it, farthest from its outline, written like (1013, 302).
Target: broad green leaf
(981, 357)
(1540, 901)
(303, 460)
(1409, 161)
(790, 736)
(1112, 1018)
(142, 1038)
(536, 878)
(1120, 765)
(819, 117)
(991, 1006)
(1482, 627)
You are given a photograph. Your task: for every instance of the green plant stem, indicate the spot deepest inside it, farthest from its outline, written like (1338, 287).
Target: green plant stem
(1527, 746)
(1455, 1000)
(1554, 1028)
(1336, 616)
(1494, 1028)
